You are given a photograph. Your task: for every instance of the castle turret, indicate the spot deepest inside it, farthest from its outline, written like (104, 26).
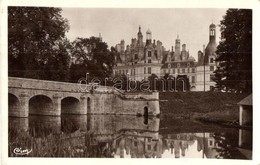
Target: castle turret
(140, 37)
(212, 45)
(148, 36)
(177, 53)
(122, 44)
(183, 47)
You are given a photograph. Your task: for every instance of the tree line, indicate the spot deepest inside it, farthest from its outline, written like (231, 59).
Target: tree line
(38, 47)
(234, 52)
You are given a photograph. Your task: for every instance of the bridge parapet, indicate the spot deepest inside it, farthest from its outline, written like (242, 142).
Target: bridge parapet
(46, 85)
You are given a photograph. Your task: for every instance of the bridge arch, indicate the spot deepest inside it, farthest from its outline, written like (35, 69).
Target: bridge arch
(70, 105)
(40, 105)
(13, 104)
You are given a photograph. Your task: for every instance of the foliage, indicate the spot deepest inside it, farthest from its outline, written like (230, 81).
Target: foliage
(37, 47)
(91, 56)
(234, 53)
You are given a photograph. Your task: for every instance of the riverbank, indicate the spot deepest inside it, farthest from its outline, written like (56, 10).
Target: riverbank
(209, 107)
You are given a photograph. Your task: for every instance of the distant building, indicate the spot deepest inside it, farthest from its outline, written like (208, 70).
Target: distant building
(246, 111)
(140, 59)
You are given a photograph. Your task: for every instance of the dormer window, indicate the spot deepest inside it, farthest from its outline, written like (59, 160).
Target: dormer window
(149, 54)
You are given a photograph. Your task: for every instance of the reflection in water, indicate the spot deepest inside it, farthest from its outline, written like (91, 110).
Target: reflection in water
(120, 136)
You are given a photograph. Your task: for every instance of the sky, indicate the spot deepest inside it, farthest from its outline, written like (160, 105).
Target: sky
(115, 24)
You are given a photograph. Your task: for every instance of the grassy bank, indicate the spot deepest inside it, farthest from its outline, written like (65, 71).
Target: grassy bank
(212, 107)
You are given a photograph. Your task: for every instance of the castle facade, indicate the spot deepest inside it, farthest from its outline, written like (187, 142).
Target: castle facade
(140, 59)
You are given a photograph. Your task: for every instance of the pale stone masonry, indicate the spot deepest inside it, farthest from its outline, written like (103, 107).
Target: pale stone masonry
(40, 97)
(140, 59)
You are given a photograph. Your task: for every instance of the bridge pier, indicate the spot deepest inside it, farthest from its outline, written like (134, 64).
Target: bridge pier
(23, 110)
(83, 105)
(56, 105)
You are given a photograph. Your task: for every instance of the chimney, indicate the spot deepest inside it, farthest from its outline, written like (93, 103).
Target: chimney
(183, 47)
(203, 49)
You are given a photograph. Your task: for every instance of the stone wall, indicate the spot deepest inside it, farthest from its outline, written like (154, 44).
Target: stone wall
(55, 98)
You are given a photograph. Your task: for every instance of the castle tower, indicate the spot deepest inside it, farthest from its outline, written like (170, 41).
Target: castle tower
(148, 36)
(139, 37)
(212, 45)
(122, 44)
(177, 53)
(212, 33)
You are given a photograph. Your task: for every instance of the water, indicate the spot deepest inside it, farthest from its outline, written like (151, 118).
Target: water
(103, 136)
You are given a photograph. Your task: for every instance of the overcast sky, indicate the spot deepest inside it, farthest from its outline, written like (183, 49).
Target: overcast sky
(114, 24)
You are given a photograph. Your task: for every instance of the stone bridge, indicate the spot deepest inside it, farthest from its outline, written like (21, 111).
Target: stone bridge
(40, 97)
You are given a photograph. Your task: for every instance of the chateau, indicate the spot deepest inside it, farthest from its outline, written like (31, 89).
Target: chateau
(140, 59)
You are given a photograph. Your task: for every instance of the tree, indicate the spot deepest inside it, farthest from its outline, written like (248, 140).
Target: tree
(234, 53)
(37, 47)
(92, 56)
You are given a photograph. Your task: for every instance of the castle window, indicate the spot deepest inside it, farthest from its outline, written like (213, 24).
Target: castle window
(212, 77)
(211, 143)
(149, 147)
(211, 68)
(178, 65)
(188, 64)
(193, 70)
(211, 60)
(149, 61)
(136, 56)
(173, 71)
(155, 53)
(149, 70)
(144, 70)
(169, 65)
(188, 70)
(149, 54)
(193, 79)
(178, 71)
(183, 70)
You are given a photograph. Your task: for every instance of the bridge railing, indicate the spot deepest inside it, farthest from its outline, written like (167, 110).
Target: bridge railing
(16, 82)
(46, 85)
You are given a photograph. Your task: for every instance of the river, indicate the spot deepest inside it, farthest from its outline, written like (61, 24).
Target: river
(122, 136)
